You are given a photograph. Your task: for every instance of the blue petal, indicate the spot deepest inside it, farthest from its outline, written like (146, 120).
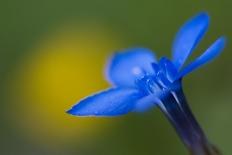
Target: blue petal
(169, 68)
(112, 102)
(146, 103)
(127, 66)
(188, 37)
(213, 51)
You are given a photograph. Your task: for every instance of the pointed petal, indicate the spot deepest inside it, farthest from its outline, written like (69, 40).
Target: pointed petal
(127, 66)
(212, 52)
(112, 102)
(188, 37)
(146, 103)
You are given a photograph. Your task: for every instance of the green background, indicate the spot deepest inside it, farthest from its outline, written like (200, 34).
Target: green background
(25, 24)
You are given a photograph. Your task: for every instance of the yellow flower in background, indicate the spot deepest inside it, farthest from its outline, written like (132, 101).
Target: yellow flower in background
(56, 74)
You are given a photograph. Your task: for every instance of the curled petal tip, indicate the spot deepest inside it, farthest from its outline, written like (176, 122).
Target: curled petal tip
(223, 39)
(204, 15)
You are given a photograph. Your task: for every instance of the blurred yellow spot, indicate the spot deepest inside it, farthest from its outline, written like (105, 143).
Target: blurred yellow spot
(63, 69)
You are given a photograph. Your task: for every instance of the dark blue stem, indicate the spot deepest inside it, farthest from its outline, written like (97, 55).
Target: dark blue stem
(176, 109)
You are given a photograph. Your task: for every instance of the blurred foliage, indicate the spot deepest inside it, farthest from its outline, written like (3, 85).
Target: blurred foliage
(52, 54)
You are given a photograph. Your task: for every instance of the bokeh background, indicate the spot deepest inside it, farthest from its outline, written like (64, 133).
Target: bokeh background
(52, 54)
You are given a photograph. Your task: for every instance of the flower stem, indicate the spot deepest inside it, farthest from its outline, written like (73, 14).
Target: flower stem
(176, 109)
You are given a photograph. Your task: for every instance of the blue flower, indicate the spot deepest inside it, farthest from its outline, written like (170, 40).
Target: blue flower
(140, 82)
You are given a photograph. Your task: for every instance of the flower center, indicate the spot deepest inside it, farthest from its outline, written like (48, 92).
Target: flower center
(162, 81)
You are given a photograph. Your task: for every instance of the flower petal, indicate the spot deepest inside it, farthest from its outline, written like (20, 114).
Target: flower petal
(188, 37)
(127, 66)
(146, 103)
(169, 68)
(112, 102)
(213, 51)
